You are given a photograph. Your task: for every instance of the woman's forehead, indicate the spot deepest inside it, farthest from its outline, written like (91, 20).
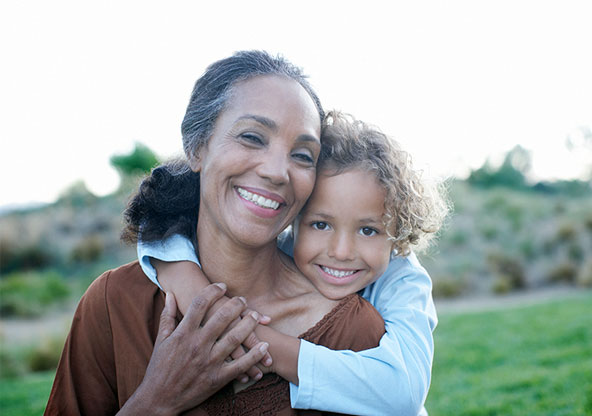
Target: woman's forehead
(269, 95)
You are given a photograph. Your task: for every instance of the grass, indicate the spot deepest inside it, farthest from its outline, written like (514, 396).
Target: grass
(25, 396)
(534, 360)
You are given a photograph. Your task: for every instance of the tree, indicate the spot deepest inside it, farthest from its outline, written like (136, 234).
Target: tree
(139, 162)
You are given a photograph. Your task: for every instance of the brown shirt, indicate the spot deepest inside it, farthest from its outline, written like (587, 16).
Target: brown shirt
(112, 336)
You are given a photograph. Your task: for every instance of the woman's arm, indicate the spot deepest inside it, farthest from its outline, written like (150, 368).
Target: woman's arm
(187, 364)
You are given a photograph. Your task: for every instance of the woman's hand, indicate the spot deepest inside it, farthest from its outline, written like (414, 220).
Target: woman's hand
(185, 279)
(188, 363)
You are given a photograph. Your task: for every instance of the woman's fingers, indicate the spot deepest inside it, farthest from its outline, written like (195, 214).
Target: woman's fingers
(243, 364)
(200, 305)
(223, 321)
(236, 336)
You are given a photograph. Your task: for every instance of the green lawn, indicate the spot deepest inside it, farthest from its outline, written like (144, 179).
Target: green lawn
(535, 360)
(25, 396)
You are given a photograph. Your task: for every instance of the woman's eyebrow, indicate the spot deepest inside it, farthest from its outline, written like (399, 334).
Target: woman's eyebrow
(267, 122)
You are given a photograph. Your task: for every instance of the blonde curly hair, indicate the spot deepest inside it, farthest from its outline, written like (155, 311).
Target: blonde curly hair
(415, 209)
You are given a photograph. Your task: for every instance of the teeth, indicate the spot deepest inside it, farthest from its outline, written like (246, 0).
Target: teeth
(337, 273)
(258, 199)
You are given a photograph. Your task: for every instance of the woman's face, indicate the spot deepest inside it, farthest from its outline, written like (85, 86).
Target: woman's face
(258, 168)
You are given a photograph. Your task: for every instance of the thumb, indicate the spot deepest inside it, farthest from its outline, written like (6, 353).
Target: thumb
(168, 319)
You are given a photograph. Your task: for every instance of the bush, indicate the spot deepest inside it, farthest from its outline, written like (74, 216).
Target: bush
(563, 272)
(584, 277)
(46, 355)
(566, 233)
(509, 270)
(89, 250)
(448, 287)
(28, 294)
(13, 257)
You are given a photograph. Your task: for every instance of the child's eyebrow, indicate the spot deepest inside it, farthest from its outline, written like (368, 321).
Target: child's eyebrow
(370, 221)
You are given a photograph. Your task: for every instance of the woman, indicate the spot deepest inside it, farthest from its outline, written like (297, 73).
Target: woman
(257, 132)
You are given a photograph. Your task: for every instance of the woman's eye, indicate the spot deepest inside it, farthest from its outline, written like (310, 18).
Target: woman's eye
(304, 157)
(251, 138)
(320, 225)
(368, 231)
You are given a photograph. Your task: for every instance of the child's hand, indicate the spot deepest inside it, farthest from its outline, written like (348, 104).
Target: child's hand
(252, 340)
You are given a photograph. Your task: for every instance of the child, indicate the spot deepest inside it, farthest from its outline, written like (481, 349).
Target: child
(367, 206)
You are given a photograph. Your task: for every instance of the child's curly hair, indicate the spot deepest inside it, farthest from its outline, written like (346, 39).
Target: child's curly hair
(415, 209)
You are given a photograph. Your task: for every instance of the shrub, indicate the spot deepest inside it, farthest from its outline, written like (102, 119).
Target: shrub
(89, 250)
(46, 355)
(13, 257)
(584, 277)
(509, 269)
(563, 272)
(448, 287)
(28, 294)
(502, 285)
(566, 232)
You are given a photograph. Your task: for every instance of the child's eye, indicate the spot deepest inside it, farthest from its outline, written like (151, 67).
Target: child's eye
(368, 231)
(320, 225)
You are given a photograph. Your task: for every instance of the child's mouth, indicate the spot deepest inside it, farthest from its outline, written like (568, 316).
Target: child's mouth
(338, 273)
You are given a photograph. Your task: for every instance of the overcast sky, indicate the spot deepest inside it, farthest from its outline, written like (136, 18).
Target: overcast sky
(455, 82)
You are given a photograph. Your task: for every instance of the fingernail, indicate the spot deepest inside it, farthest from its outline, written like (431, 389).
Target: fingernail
(263, 347)
(258, 376)
(243, 300)
(221, 285)
(244, 379)
(268, 362)
(255, 316)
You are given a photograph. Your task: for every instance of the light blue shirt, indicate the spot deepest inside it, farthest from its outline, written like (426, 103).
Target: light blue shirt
(391, 379)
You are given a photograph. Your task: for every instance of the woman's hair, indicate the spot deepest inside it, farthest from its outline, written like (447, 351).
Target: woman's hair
(213, 89)
(168, 199)
(414, 208)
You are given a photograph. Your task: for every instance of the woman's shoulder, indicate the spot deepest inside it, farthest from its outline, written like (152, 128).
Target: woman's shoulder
(120, 288)
(352, 324)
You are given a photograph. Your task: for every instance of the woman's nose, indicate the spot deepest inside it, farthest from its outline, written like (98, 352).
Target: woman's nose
(274, 167)
(341, 247)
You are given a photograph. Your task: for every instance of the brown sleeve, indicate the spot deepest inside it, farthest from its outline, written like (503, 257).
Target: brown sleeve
(353, 325)
(85, 382)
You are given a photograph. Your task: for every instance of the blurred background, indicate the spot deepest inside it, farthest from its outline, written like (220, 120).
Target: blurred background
(493, 99)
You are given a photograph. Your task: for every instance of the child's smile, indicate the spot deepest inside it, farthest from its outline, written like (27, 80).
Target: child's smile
(341, 242)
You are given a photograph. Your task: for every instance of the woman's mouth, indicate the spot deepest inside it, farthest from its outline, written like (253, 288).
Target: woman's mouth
(258, 200)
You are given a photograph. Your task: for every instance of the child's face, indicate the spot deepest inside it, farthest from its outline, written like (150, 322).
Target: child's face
(341, 243)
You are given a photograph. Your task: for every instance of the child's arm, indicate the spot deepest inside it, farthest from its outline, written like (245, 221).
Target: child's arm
(391, 379)
(394, 377)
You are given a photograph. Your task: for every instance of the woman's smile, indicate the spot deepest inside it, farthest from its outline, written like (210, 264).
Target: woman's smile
(260, 202)
(259, 166)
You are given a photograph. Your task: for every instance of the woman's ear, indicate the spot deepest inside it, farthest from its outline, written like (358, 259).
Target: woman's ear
(195, 162)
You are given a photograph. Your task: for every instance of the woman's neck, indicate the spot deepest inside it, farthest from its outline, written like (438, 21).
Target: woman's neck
(246, 271)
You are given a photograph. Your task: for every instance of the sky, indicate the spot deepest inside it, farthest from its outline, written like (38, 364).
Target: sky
(455, 82)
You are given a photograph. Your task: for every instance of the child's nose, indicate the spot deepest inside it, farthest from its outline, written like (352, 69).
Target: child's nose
(341, 247)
